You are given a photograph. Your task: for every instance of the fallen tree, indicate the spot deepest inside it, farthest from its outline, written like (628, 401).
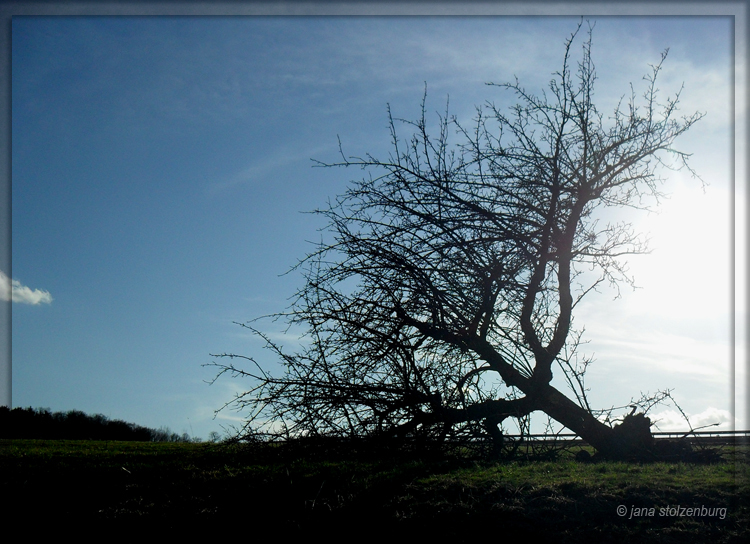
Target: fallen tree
(445, 298)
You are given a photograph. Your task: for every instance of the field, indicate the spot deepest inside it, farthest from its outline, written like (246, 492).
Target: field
(349, 494)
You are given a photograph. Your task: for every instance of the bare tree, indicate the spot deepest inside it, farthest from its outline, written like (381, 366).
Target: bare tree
(445, 295)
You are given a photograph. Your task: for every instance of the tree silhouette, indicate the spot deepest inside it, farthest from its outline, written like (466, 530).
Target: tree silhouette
(446, 295)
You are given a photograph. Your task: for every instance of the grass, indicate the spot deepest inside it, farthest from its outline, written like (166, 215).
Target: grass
(281, 491)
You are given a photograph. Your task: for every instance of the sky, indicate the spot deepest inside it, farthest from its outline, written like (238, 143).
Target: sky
(161, 168)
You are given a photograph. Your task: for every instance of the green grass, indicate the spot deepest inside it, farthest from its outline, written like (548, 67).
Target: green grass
(276, 490)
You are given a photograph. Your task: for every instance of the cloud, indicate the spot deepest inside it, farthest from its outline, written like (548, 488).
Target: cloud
(672, 420)
(283, 158)
(13, 290)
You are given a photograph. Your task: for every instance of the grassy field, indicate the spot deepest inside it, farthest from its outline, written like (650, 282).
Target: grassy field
(345, 494)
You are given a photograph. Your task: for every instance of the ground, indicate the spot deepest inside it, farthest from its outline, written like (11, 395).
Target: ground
(344, 491)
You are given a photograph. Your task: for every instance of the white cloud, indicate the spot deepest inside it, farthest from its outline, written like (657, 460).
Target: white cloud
(13, 290)
(673, 420)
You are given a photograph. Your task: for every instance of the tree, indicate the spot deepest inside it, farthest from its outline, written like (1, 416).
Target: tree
(446, 295)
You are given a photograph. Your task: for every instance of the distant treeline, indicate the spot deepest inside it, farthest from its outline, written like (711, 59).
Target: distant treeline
(41, 423)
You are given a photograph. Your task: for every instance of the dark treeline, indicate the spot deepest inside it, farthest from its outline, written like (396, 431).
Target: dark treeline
(41, 423)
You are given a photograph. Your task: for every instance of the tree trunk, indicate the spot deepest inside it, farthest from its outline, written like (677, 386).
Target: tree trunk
(630, 440)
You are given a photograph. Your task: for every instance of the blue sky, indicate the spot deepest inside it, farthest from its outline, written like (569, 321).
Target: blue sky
(160, 167)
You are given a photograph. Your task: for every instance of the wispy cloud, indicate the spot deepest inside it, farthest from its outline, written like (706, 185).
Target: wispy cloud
(13, 290)
(285, 157)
